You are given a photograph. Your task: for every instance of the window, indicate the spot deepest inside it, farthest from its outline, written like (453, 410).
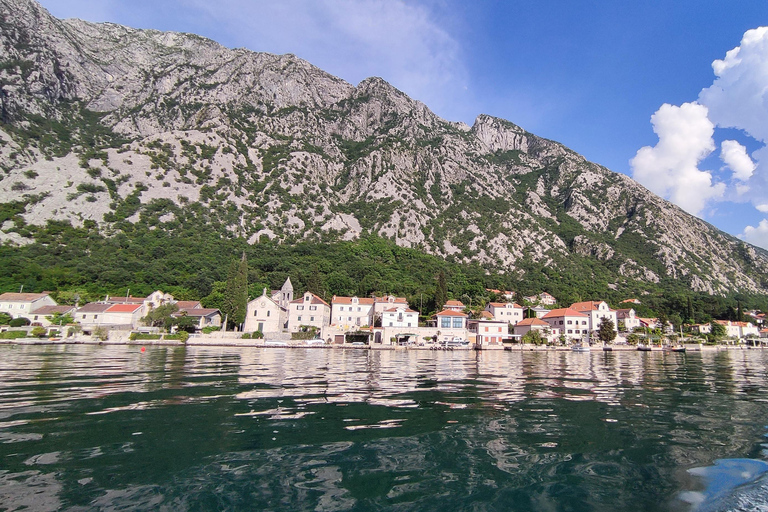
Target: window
(390, 324)
(486, 328)
(255, 312)
(458, 323)
(269, 313)
(21, 306)
(570, 331)
(445, 322)
(313, 308)
(311, 319)
(95, 317)
(358, 308)
(298, 319)
(570, 322)
(35, 317)
(10, 306)
(583, 322)
(409, 324)
(300, 308)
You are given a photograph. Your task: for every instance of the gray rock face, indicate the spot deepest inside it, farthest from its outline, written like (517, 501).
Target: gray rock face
(93, 115)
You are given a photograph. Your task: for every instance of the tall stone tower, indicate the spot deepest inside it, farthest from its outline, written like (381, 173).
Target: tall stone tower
(286, 293)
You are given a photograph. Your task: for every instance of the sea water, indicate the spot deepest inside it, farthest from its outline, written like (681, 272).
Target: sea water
(182, 428)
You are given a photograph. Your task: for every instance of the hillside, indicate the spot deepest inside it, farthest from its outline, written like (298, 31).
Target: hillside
(108, 127)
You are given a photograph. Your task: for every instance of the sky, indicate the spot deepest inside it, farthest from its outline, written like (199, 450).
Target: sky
(674, 94)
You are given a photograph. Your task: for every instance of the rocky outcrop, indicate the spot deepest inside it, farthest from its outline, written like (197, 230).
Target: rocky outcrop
(105, 123)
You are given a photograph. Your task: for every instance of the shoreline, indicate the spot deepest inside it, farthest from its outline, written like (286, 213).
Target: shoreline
(245, 343)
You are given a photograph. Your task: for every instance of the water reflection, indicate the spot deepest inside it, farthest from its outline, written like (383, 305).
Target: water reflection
(211, 428)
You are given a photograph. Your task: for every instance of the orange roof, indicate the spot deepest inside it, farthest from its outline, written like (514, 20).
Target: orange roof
(314, 300)
(486, 314)
(348, 300)
(451, 312)
(564, 312)
(590, 305)
(395, 310)
(123, 308)
(533, 321)
(454, 303)
(188, 304)
(386, 299)
(505, 305)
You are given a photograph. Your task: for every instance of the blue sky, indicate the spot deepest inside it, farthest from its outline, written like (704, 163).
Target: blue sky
(589, 74)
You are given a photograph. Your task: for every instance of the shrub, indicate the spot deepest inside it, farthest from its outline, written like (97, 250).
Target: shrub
(19, 322)
(5, 318)
(12, 335)
(39, 332)
(210, 329)
(245, 336)
(101, 333)
(257, 335)
(143, 336)
(181, 336)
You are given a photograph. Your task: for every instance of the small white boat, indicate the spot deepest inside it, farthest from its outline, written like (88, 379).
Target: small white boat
(579, 347)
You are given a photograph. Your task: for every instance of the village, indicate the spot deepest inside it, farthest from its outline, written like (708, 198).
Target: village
(279, 318)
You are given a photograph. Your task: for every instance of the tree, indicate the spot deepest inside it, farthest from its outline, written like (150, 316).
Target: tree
(185, 323)
(161, 316)
(59, 319)
(441, 292)
(534, 337)
(605, 331)
(690, 318)
(39, 332)
(717, 330)
(633, 339)
(5, 318)
(236, 293)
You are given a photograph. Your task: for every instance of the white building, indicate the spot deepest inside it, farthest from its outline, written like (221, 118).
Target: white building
(596, 311)
(308, 311)
(41, 315)
(628, 318)
(571, 323)
(23, 304)
(352, 312)
(400, 317)
(266, 315)
(505, 311)
(488, 333)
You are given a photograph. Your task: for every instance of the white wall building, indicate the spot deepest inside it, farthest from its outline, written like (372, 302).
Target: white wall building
(308, 310)
(596, 311)
(266, 315)
(352, 312)
(400, 316)
(23, 304)
(505, 311)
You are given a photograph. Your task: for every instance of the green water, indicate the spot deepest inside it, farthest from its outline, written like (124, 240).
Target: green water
(112, 428)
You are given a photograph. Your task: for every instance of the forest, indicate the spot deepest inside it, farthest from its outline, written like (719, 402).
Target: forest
(189, 259)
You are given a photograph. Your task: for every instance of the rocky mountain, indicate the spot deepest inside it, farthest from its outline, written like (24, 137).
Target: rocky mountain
(106, 124)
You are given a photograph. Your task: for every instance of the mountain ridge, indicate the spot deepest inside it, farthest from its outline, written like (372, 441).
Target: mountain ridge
(132, 121)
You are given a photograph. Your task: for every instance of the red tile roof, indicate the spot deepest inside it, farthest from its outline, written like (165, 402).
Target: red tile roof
(451, 312)
(314, 300)
(348, 300)
(188, 304)
(532, 321)
(395, 310)
(590, 305)
(506, 305)
(123, 308)
(564, 312)
(454, 303)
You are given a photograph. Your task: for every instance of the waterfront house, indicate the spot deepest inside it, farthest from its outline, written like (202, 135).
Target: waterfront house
(701, 328)
(352, 312)
(596, 311)
(543, 298)
(536, 324)
(450, 324)
(509, 312)
(111, 316)
(454, 305)
(266, 315)
(400, 316)
(628, 318)
(738, 329)
(24, 304)
(573, 324)
(204, 317)
(381, 304)
(308, 311)
(40, 315)
(488, 332)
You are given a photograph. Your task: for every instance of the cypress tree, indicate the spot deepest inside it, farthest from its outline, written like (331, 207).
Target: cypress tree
(441, 293)
(236, 293)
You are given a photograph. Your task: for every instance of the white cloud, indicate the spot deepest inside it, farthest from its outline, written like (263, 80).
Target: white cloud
(738, 98)
(757, 235)
(670, 168)
(735, 156)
